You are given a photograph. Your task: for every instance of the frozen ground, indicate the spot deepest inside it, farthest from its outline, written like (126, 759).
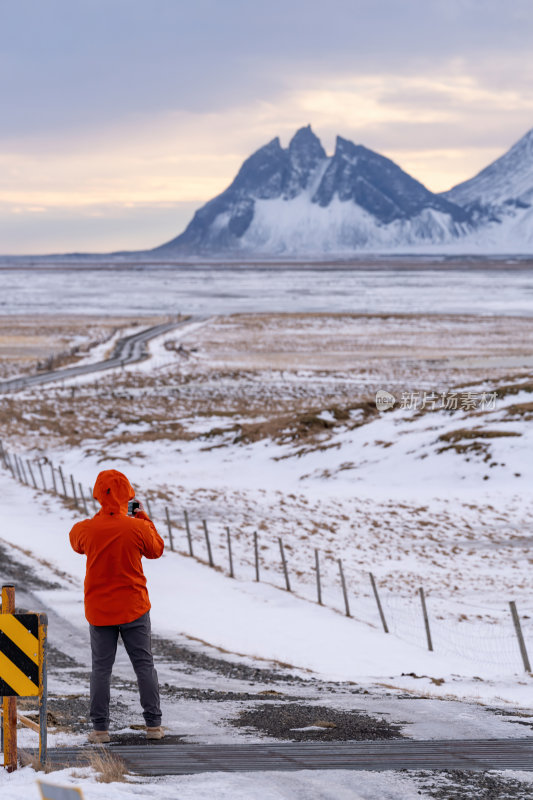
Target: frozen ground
(245, 423)
(104, 286)
(340, 666)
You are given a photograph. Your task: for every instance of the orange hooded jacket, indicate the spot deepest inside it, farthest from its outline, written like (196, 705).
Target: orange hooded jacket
(114, 543)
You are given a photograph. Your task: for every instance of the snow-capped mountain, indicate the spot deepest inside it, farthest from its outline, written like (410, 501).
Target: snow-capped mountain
(298, 201)
(500, 197)
(508, 180)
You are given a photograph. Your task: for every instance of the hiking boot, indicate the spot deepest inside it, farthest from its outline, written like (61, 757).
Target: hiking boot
(98, 737)
(155, 733)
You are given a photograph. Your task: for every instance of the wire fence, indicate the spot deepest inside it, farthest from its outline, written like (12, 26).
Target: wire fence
(501, 642)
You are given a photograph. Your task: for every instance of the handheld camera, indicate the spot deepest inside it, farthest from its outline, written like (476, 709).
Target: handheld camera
(133, 505)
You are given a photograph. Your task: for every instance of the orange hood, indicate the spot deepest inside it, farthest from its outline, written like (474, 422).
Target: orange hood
(113, 491)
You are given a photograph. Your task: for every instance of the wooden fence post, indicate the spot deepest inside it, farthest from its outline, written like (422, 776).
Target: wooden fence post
(284, 562)
(520, 636)
(344, 591)
(378, 601)
(19, 474)
(317, 570)
(74, 494)
(256, 556)
(22, 471)
(148, 508)
(63, 481)
(426, 618)
(9, 703)
(208, 543)
(84, 500)
(169, 527)
(53, 473)
(17, 468)
(38, 462)
(95, 508)
(31, 474)
(43, 695)
(3, 454)
(230, 555)
(10, 464)
(188, 530)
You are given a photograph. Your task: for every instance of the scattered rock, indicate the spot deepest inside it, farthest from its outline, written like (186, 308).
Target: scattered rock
(319, 723)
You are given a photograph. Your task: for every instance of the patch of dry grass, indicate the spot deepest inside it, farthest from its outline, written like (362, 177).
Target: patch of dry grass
(109, 767)
(27, 759)
(302, 426)
(474, 433)
(522, 411)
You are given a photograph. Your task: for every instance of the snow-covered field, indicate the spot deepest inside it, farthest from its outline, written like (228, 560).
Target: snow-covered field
(121, 287)
(427, 497)
(267, 423)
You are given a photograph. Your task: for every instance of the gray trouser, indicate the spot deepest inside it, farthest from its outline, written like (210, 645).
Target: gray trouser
(136, 636)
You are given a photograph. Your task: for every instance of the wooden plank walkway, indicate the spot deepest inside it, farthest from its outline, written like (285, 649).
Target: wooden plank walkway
(183, 759)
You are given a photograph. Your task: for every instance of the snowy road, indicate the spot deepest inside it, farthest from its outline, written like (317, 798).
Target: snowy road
(128, 350)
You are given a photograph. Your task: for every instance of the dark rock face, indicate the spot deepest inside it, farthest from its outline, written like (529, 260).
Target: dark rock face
(378, 185)
(305, 155)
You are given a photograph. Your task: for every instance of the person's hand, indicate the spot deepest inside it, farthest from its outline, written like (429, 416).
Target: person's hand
(140, 509)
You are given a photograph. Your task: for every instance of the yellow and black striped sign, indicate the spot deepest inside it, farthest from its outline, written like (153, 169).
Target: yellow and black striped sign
(19, 655)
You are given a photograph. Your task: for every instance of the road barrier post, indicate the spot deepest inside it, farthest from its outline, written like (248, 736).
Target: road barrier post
(43, 687)
(22, 673)
(9, 703)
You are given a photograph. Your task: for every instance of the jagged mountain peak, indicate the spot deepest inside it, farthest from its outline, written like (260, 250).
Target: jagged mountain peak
(306, 139)
(343, 145)
(270, 147)
(297, 200)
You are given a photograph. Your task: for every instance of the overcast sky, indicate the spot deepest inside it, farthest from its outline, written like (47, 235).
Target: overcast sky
(120, 117)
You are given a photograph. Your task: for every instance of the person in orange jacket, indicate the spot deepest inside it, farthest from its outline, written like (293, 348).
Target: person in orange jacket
(116, 597)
